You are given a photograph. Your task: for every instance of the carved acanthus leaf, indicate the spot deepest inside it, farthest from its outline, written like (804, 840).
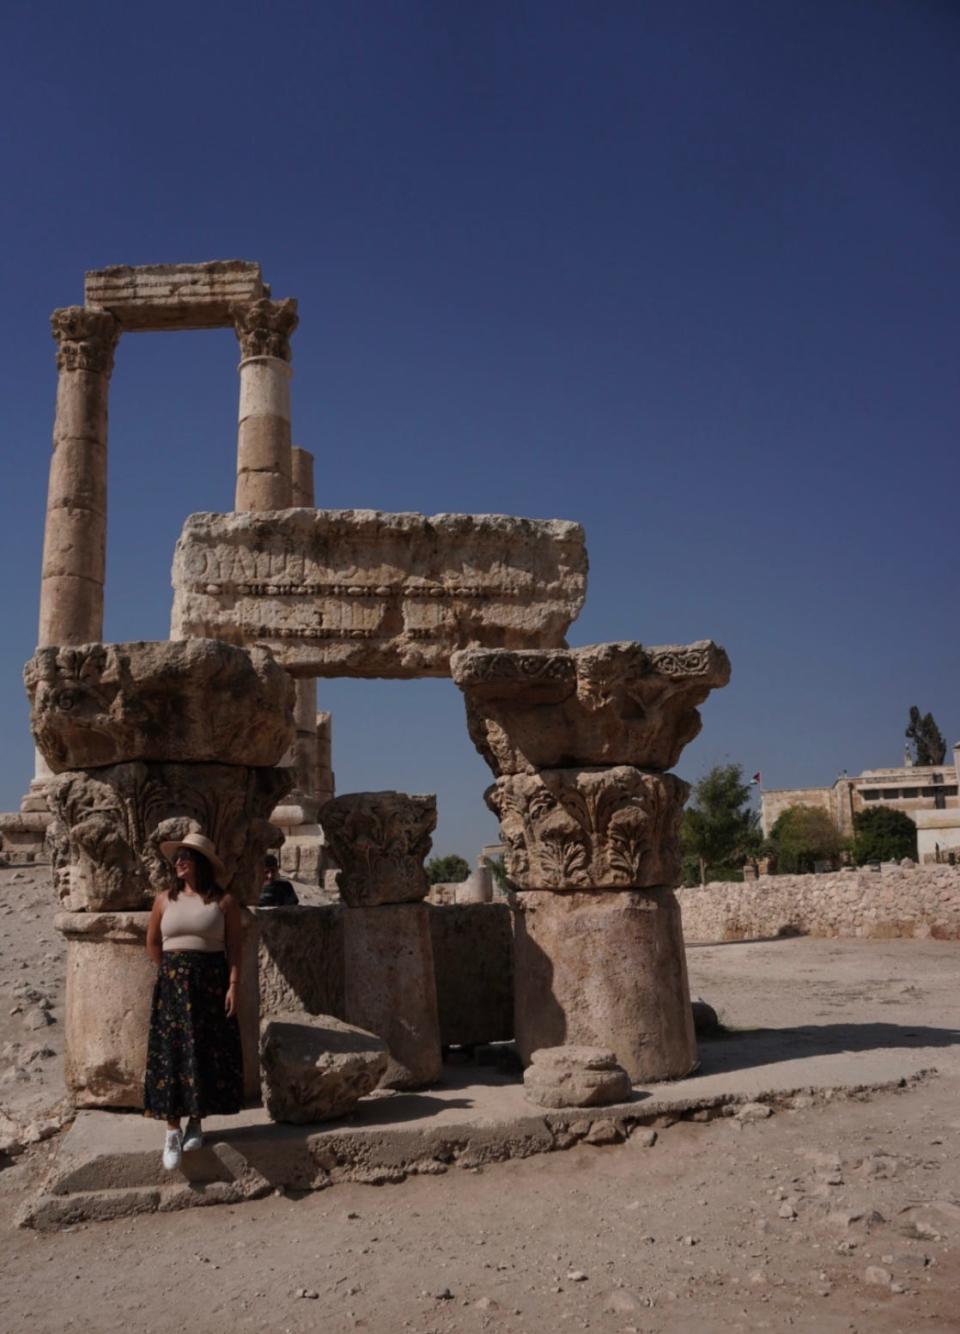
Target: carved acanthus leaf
(264, 327)
(86, 339)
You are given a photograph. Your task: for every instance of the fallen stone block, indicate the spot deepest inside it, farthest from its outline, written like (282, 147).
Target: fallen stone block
(575, 1077)
(315, 1067)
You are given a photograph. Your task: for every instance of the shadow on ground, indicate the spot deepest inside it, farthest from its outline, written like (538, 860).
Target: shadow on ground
(765, 1046)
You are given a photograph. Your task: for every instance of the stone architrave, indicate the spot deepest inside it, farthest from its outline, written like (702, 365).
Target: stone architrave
(152, 298)
(109, 824)
(363, 593)
(390, 988)
(605, 970)
(194, 700)
(316, 1067)
(380, 840)
(264, 451)
(590, 828)
(608, 704)
(110, 981)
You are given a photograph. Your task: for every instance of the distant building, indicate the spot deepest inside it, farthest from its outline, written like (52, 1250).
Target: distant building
(927, 793)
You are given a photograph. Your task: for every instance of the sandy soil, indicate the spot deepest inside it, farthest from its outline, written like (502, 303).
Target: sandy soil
(841, 1217)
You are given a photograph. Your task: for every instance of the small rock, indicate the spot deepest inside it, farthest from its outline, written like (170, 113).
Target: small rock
(754, 1111)
(877, 1275)
(443, 1295)
(576, 1276)
(605, 1132)
(310, 1294)
(645, 1138)
(786, 1211)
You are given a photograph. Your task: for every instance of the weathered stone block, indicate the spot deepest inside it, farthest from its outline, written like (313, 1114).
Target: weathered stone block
(195, 700)
(580, 829)
(605, 970)
(389, 987)
(315, 1067)
(379, 840)
(607, 704)
(109, 824)
(174, 296)
(363, 593)
(575, 1077)
(301, 959)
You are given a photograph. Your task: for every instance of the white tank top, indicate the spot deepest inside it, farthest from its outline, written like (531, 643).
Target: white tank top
(190, 924)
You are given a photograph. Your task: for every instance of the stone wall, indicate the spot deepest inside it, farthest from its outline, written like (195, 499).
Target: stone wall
(301, 966)
(896, 901)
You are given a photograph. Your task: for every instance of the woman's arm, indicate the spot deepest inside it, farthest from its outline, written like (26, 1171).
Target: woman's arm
(233, 928)
(154, 934)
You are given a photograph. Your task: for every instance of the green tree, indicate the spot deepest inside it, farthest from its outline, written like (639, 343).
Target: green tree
(803, 836)
(882, 834)
(499, 869)
(719, 831)
(926, 740)
(449, 870)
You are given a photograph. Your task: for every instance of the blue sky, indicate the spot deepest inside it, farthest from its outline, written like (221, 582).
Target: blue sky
(685, 271)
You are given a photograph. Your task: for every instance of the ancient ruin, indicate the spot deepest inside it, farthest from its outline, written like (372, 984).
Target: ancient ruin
(217, 731)
(578, 740)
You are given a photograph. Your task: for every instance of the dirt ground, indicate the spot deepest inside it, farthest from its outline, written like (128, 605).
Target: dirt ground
(835, 1217)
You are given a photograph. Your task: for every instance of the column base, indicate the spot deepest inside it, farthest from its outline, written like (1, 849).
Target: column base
(109, 991)
(604, 969)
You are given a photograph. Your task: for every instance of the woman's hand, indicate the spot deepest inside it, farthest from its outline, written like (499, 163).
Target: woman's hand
(230, 1000)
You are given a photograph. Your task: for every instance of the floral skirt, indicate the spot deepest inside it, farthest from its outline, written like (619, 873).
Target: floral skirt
(194, 1060)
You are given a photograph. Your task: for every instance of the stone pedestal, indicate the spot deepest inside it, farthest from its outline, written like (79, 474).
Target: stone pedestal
(110, 983)
(380, 840)
(390, 990)
(605, 970)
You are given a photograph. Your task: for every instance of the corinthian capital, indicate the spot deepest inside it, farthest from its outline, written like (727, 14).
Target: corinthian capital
(591, 828)
(379, 840)
(264, 327)
(86, 339)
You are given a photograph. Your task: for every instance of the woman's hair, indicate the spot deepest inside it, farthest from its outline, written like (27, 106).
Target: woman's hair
(206, 884)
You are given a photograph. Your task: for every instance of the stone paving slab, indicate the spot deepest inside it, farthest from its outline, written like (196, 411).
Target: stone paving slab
(108, 1164)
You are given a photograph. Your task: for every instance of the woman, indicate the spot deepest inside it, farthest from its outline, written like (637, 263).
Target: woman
(194, 1061)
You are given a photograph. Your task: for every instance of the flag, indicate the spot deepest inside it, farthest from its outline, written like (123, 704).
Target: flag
(755, 778)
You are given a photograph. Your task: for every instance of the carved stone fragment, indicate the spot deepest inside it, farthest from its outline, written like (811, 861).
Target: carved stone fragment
(380, 841)
(363, 593)
(86, 339)
(618, 703)
(316, 1067)
(109, 824)
(195, 700)
(572, 1076)
(590, 828)
(264, 327)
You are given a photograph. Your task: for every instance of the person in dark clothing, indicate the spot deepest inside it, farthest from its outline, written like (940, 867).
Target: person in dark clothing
(276, 893)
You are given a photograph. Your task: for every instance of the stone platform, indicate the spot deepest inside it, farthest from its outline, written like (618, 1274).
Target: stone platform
(108, 1164)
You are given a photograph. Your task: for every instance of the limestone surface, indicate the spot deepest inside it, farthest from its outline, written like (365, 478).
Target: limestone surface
(390, 987)
(590, 828)
(364, 593)
(618, 703)
(196, 700)
(315, 1067)
(109, 824)
(605, 970)
(150, 297)
(380, 840)
(575, 1077)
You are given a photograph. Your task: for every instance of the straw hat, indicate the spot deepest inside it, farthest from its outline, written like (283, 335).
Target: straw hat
(200, 844)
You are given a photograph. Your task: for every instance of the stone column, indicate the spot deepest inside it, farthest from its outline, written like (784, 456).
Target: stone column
(125, 782)
(264, 457)
(301, 478)
(75, 535)
(579, 740)
(380, 840)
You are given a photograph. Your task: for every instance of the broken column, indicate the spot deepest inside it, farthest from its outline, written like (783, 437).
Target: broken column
(264, 459)
(580, 741)
(148, 741)
(380, 841)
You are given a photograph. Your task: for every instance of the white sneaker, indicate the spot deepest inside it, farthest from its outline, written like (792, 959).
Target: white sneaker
(193, 1136)
(172, 1150)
